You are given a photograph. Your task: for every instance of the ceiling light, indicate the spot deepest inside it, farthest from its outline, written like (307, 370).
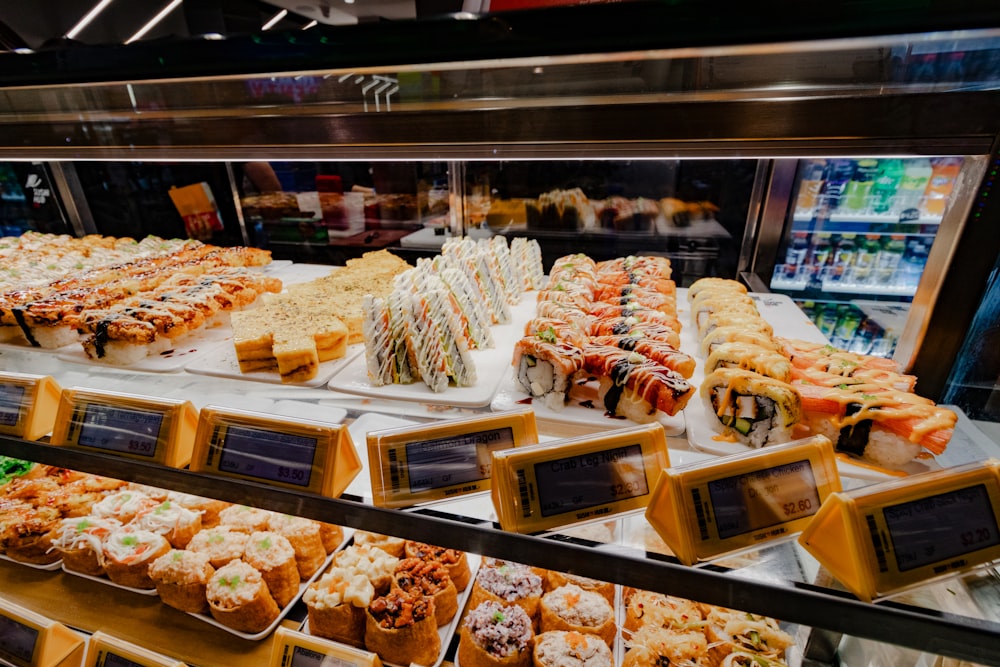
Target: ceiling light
(85, 21)
(174, 4)
(274, 19)
(309, 25)
(348, 2)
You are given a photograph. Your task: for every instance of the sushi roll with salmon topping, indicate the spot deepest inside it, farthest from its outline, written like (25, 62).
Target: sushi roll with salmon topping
(660, 352)
(545, 370)
(634, 386)
(630, 326)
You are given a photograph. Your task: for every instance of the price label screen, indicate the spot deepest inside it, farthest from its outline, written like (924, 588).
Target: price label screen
(304, 657)
(586, 480)
(11, 396)
(940, 527)
(17, 640)
(432, 464)
(279, 457)
(115, 660)
(762, 498)
(123, 430)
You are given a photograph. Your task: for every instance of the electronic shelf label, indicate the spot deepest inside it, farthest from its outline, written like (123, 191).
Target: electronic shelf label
(296, 649)
(28, 639)
(145, 428)
(542, 487)
(298, 454)
(882, 538)
(427, 462)
(705, 509)
(28, 405)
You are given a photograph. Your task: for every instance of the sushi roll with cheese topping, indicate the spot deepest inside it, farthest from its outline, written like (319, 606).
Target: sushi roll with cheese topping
(755, 409)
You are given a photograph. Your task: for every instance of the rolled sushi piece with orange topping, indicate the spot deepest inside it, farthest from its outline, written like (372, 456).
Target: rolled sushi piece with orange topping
(239, 599)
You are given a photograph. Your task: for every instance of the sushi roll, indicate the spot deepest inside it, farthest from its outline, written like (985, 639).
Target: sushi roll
(737, 334)
(181, 579)
(221, 544)
(244, 518)
(336, 604)
(629, 326)
(527, 257)
(401, 628)
(508, 583)
(716, 284)
(628, 294)
(394, 546)
(304, 537)
(273, 556)
(578, 317)
(634, 386)
(79, 541)
(576, 294)
(380, 351)
(553, 330)
(475, 318)
(209, 508)
(510, 277)
(128, 553)
(602, 310)
(554, 579)
(176, 523)
(545, 370)
(744, 318)
(239, 599)
(750, 357)
(756, 409)
(456, 561)
(123, 506)
(496, 635)
(370, 561)
(660, 352)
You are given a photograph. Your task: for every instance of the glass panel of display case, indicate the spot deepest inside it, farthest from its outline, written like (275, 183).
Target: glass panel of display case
(28, 200)
(856, 242)
(692, 211)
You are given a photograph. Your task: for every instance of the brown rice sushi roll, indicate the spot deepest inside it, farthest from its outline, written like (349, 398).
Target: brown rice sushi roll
(401, 628)
(176, 523)
(304, 536)
(128, 553)
(181, 579)
(571, 608)
(430, 578)
(221, 544)
(244, 518)
(337, 603)
(239, 599)
(332, 536)
(556, 579)
(208, 507)
(122, 505)
(496, 635)
(374, 563)
(508, 583)
(560, 648)
(80, 542)
(456, 561)
(394, 546)
(274, 557)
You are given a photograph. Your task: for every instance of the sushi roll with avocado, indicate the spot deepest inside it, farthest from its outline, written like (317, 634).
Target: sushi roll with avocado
(756, 409)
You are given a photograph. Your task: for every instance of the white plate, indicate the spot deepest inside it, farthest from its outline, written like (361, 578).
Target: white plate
(107, 582)
(445, 632)
(48, 566)
(348, 533)
(590, 413)
(492, 367)
(221, 361)
(188, 348)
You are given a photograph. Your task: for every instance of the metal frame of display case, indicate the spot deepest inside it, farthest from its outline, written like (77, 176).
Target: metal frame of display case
(890, 622)
(139, 104)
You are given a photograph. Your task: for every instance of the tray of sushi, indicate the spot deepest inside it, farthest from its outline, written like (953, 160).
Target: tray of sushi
(766, 375)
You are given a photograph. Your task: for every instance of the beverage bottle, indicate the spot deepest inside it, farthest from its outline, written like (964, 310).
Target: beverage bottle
(826, 321)
(843, 258)
(889, 257)
(847, 326)
(819, 257)
(859, 187)
(944, 171)
(912, 265)
(795, 255)
(916, 176)
(864, 261)
(865, 336)
(883, 191)
(838, 176)
(811, 186)
(808, 307)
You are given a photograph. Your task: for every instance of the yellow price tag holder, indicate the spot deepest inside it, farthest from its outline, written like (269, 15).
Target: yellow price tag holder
(288, 453)
(889, 536)
(28, 639)
(295, 649)
(28, 405)
(709, 508)
(428, 462)
(542, 487)
(107, 651)
(146, 428)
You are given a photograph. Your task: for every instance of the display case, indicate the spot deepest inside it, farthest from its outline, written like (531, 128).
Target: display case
(496, 98)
